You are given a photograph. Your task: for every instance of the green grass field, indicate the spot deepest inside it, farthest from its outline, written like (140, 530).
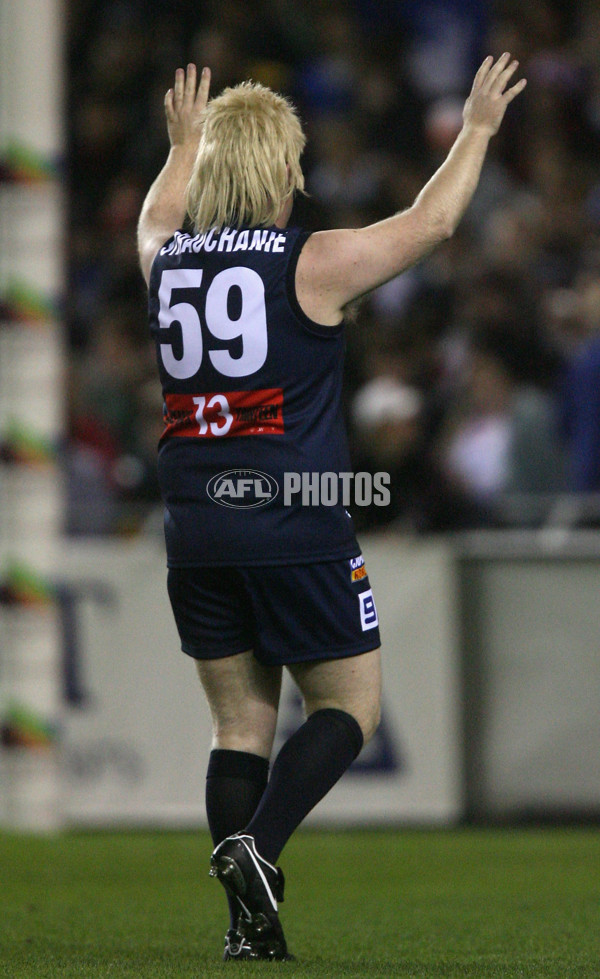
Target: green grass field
(480, 903)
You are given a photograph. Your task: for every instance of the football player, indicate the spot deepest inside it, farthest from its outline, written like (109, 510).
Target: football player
(247, 314)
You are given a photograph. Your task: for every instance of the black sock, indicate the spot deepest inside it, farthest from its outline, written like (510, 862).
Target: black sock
(235, 782)
(306, 768)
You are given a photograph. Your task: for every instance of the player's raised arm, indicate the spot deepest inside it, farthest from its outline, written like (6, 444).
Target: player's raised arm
(338, 266)
(163, 211)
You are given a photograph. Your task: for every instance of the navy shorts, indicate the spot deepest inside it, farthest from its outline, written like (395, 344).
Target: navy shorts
(285, 613)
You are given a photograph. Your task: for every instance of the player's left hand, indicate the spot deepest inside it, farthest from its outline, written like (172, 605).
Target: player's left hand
(486, 105)
(185, 105)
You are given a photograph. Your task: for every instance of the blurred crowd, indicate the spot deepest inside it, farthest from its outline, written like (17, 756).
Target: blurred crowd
(474, 378)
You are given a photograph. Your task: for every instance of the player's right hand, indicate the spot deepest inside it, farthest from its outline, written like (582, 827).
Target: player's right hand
(486, 105)
(184, 106)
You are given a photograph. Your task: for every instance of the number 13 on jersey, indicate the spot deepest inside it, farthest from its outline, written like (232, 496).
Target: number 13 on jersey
(215, 427)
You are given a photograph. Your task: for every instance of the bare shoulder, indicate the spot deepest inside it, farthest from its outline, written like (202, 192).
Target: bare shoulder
(148, 248)
(316, 277)
(338, 266)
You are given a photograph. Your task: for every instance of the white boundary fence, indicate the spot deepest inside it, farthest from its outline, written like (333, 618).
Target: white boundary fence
(136, 746)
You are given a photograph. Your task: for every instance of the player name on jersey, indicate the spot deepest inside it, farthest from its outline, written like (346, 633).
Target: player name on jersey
(226, 240)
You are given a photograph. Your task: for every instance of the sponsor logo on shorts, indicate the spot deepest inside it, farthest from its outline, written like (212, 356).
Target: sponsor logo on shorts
(242, 489)
(357, 568)
(368, 612)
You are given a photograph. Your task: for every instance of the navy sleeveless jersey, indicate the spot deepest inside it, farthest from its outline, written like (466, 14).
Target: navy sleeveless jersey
(252, 392)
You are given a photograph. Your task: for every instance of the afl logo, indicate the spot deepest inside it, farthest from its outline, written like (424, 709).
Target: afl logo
(244, 489)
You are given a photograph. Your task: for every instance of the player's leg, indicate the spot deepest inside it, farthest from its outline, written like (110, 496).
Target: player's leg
(352, 684)
(342, 699)
(243, 697)
(321, 621)
(304, 613)
(214, 619)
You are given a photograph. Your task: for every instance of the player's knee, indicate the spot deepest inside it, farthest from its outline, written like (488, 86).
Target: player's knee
(244, 733)
(369, 720)
(251, 742)
(366, 713)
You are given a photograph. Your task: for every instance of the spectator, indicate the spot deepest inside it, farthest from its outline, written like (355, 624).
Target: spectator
(503, 438)
(388, 423)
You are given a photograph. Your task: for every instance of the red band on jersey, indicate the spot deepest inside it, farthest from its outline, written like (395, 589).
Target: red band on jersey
(219, 414)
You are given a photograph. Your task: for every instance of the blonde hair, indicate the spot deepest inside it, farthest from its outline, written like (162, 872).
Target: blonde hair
(250, 137)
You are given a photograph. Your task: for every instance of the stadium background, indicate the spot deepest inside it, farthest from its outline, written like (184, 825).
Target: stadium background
(473, 379)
